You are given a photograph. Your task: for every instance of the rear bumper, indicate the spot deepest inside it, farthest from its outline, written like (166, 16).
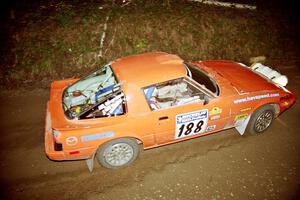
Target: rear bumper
(63, 154)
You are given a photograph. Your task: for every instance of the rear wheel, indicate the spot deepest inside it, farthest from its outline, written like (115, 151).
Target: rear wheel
(261, 119)
(118, 153)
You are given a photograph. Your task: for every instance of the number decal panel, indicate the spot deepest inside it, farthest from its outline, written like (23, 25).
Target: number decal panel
(192, 123)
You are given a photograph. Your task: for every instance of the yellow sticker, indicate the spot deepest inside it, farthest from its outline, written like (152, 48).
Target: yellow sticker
(245, 109)
(77, 110)
(241, 117)
(215, 111)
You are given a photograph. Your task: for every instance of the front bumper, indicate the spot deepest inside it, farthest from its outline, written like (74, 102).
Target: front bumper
(287, 102)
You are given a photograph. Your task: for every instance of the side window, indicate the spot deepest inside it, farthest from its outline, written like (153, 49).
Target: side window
(173, 93)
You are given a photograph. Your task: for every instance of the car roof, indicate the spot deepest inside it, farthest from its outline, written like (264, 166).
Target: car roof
(148, 68)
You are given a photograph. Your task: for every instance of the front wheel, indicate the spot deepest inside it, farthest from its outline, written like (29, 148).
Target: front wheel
(117, 153)
(261, 119)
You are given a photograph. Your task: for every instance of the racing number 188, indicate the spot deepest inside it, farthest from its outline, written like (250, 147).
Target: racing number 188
(187, 129)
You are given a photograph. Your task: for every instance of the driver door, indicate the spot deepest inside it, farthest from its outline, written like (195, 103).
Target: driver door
(184, 112)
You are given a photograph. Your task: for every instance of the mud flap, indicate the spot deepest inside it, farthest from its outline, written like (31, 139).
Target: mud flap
(242, 125)
(90, 163)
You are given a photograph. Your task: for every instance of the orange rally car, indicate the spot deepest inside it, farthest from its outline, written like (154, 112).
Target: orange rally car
(154, 99)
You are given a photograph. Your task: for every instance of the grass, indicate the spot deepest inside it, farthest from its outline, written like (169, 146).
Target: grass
(63, 40)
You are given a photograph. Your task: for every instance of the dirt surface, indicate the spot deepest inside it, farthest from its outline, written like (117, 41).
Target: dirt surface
(220, 166)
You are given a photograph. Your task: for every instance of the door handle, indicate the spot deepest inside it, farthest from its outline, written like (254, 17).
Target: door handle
(163, 118)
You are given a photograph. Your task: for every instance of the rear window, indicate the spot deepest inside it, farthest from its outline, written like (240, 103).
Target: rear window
(96, 95)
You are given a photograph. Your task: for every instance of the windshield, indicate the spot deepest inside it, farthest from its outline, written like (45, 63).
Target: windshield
(202, 78)
(89, 91)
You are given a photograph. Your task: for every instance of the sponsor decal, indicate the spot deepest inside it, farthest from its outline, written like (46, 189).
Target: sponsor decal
(245, 109)
(241, 117)
(215, 111)
(97, 136)
(71, 141)
(215, 117)
(241, 122)
(257, 97)
(193, 123)
(211, 128)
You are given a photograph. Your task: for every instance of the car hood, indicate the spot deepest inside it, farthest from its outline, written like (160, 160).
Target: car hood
(241, 77)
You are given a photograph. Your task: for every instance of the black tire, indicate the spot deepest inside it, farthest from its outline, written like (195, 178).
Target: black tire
(261, 120)
(118, 153)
